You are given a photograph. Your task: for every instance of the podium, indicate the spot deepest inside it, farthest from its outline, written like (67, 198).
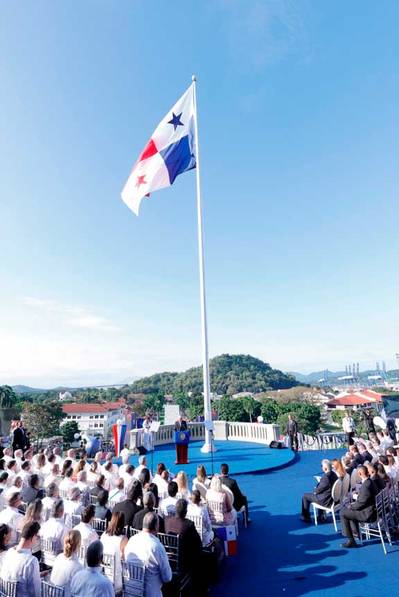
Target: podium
(182, 439)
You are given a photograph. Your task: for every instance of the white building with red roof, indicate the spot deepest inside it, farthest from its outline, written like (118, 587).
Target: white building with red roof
(355, 399)
(95, 418)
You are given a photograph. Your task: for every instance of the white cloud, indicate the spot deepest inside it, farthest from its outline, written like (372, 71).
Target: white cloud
(80, 317)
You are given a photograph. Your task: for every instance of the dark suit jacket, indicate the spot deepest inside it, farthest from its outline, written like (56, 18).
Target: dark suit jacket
(379, 483)
(139, 517)
(366, 497)
(239, 498)
(324, 487)
(190, 542)
(128, 508)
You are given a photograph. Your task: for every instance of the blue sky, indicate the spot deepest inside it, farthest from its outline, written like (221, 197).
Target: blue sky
(298, 116)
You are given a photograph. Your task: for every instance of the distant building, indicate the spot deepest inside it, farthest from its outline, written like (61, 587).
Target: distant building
(355, 399)
(95, 418)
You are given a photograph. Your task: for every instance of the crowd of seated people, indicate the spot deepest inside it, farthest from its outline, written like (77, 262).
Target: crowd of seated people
(370, 465)
(82, 511)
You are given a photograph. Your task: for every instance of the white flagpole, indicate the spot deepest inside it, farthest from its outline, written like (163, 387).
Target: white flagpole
(207, 447)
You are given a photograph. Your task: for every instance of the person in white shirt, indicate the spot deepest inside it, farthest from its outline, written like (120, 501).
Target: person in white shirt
(114, 542)
(12, 472)
(87, 533)
(11, 516)
(128, 477)
(195, 508)
(20, 565)
(348, 425)
(16, 487)
(125, 463)
(25, 472)
(52, 496)
(168, 505)
(18, 455)
(66, 564)
(145, 548)
(125, 453)
(58, 457)
(109, 475)
(181, 480)
(118, 493)
(48, 467)
(91, 581)
(7, 456)
(54, 528)
(73, 506)
(114, 469)
(67, 484)
(53, 476)
(141, 466)
(93, 474)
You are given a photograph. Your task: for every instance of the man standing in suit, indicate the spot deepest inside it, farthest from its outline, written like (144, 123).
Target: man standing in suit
(292, 432)
(240, 500)
(362, 510)
(322, 492)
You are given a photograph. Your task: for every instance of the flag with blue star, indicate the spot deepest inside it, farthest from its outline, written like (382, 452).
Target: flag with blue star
(170, 151)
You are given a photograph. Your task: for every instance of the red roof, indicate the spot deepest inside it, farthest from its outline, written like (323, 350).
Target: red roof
(349, 400)
(370, 394)
(91, 408)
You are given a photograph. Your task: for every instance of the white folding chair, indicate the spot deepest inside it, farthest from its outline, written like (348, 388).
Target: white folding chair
(108, 566)
(50, 550)
(99, 525)
(8, 588)
(49, 590)
(336, 493)
(133, 575)
(380, 526)
(216, 512)
(197, 520)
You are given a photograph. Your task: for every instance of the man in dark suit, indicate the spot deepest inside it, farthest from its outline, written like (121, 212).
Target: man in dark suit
(149, 504)
(362, 510)
(292, 432)
(322, 492)
(240, 500)
(129, 506)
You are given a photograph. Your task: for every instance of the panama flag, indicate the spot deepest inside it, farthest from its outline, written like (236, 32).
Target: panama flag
(170, 152)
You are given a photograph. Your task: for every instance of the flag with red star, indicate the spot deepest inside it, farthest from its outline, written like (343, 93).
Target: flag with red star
(170, 152)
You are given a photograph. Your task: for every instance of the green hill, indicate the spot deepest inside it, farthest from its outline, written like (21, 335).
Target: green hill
(230, 374)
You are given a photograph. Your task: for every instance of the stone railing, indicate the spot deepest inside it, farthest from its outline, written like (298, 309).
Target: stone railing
(223, 430)
(322, 441)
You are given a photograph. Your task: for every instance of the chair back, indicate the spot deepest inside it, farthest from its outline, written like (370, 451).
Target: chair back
(8, 588)
(93, 499)
(50, 549)
(354, 478)
(336, 491)
(133, 573)
(49, 590)
(171, 545)
(99, 525)
(379, 504)
(201, 488)
(216, 511)
(64, 494)
(82, 554)
(197, 520)
(346, 481)
(109, 566)
(76, 519)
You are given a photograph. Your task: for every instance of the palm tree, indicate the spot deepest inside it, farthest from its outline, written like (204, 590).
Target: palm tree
(7, 397)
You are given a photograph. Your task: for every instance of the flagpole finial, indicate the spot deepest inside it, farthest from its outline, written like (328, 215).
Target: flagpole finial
(193, 78)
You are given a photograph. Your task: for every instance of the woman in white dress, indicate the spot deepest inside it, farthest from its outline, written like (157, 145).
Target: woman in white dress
(220, 504)
(114, 542)
(66, 565)
(196, 509)
(201, 481)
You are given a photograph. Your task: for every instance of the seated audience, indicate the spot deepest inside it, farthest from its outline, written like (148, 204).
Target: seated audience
(160, 480)
(240, 500)
(99, 486)
(53, 477)
(87, 533)
(128, 477)
(168, 505)
(129, 506)
(20, 565)
(101, 510)
(117, 494)
(361, 510)
(73, 506)
(52, 496)
(114, 542)
(67, 482)
(141, 466)
(93, 474)
(67, 564)
(149, 504)
(11, 515)
(322, 492)
(91, 580)
(196, 508)
(33, 514)
(32, 491)
(146, 548)
(54, 528)
(378, 481)
(201, 481)
(338, 468)
(220, 503)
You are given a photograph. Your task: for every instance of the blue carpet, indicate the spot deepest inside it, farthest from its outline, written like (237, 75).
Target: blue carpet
(242, 457)
(278, 554)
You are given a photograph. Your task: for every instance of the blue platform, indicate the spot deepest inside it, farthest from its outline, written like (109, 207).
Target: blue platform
(242, 457)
